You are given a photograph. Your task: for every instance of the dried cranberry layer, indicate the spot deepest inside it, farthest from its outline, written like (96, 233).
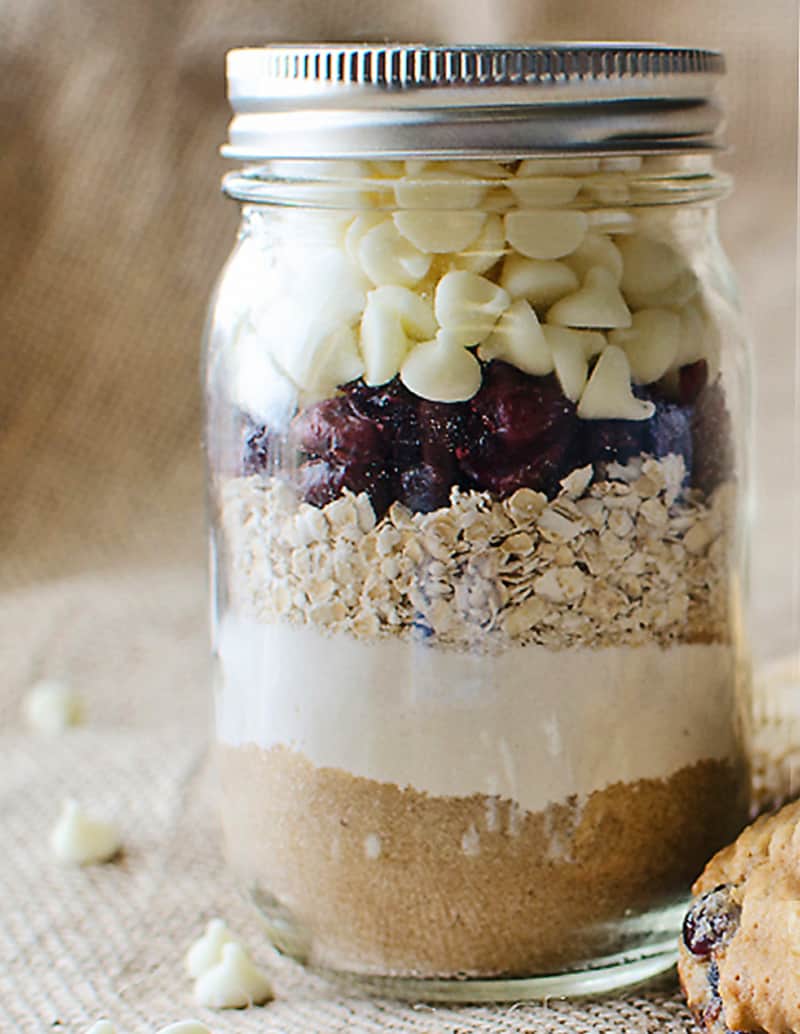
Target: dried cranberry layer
(518, 431)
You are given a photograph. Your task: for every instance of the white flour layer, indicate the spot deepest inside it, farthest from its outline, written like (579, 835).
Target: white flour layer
(532, 724)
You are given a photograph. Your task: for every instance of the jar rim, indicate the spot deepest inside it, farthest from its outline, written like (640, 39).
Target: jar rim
(413, 100)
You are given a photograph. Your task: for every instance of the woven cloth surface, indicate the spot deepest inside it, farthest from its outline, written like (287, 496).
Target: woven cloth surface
(111, 233)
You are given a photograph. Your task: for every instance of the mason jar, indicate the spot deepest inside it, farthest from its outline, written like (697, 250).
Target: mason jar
(477, 397)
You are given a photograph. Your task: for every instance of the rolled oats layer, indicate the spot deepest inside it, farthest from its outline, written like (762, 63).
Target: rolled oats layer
(634, 558)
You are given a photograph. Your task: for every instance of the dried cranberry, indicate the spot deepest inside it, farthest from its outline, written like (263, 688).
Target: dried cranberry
(711, 921)
(612, 441)
(692, 379)
(523, 433)
(712, 438)
(334, 429)
(520, 410)
(393, 410)
(670, 431)
(542, 472)
(426, 487)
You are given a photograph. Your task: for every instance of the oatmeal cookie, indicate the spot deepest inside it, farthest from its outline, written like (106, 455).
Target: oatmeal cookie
(739, 962)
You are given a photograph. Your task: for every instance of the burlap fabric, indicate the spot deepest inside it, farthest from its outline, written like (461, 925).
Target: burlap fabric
(111, 233)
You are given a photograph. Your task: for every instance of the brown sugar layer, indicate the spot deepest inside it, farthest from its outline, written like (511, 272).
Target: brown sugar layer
(390, 880)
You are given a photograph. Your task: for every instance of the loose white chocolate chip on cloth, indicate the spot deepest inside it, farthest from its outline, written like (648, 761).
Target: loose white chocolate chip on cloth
(233, 983)
(79, 839)
(52, 706)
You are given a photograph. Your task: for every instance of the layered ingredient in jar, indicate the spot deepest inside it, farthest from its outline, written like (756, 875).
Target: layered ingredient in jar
(478, 658)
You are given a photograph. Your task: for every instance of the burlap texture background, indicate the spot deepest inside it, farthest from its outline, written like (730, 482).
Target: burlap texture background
(111, 233)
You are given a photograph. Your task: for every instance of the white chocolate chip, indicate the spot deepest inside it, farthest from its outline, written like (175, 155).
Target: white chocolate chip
(298, 335)
(439, 232)
(540, 281)
(387, 257)
(384, 344)
(557, 166)
(468, 306)
(598, 303)
(438, 189)
(362, 223)
(102, 1027)
(206, 952)
(572, 366)
(186, 1027)
(596, 250)
(592, 341)
(487, 248)
(607, 188)
(415, 313)
(52, 706)
(518, 339)
(649, 266)
(258, 386)
(543, 191)
(234, 983)
(545, 234)
(611, 220)
(441, 370)
(79, 840)
(479, 168)
(608, 394)
(651, 343)
(339, 362)
(392, 316)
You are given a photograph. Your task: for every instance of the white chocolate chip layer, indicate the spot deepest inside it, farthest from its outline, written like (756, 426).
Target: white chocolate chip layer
(467, 306)
(650, 343)
(608, 394)
(518, 339)
(545, 234)
(598, 303)
(441, 370)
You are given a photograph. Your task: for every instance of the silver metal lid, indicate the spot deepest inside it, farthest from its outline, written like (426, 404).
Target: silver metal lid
(401, 100)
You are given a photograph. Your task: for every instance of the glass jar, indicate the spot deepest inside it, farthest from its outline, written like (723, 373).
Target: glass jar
(477, 428)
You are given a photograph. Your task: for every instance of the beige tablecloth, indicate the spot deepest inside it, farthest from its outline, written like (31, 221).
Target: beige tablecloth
(111, 232)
